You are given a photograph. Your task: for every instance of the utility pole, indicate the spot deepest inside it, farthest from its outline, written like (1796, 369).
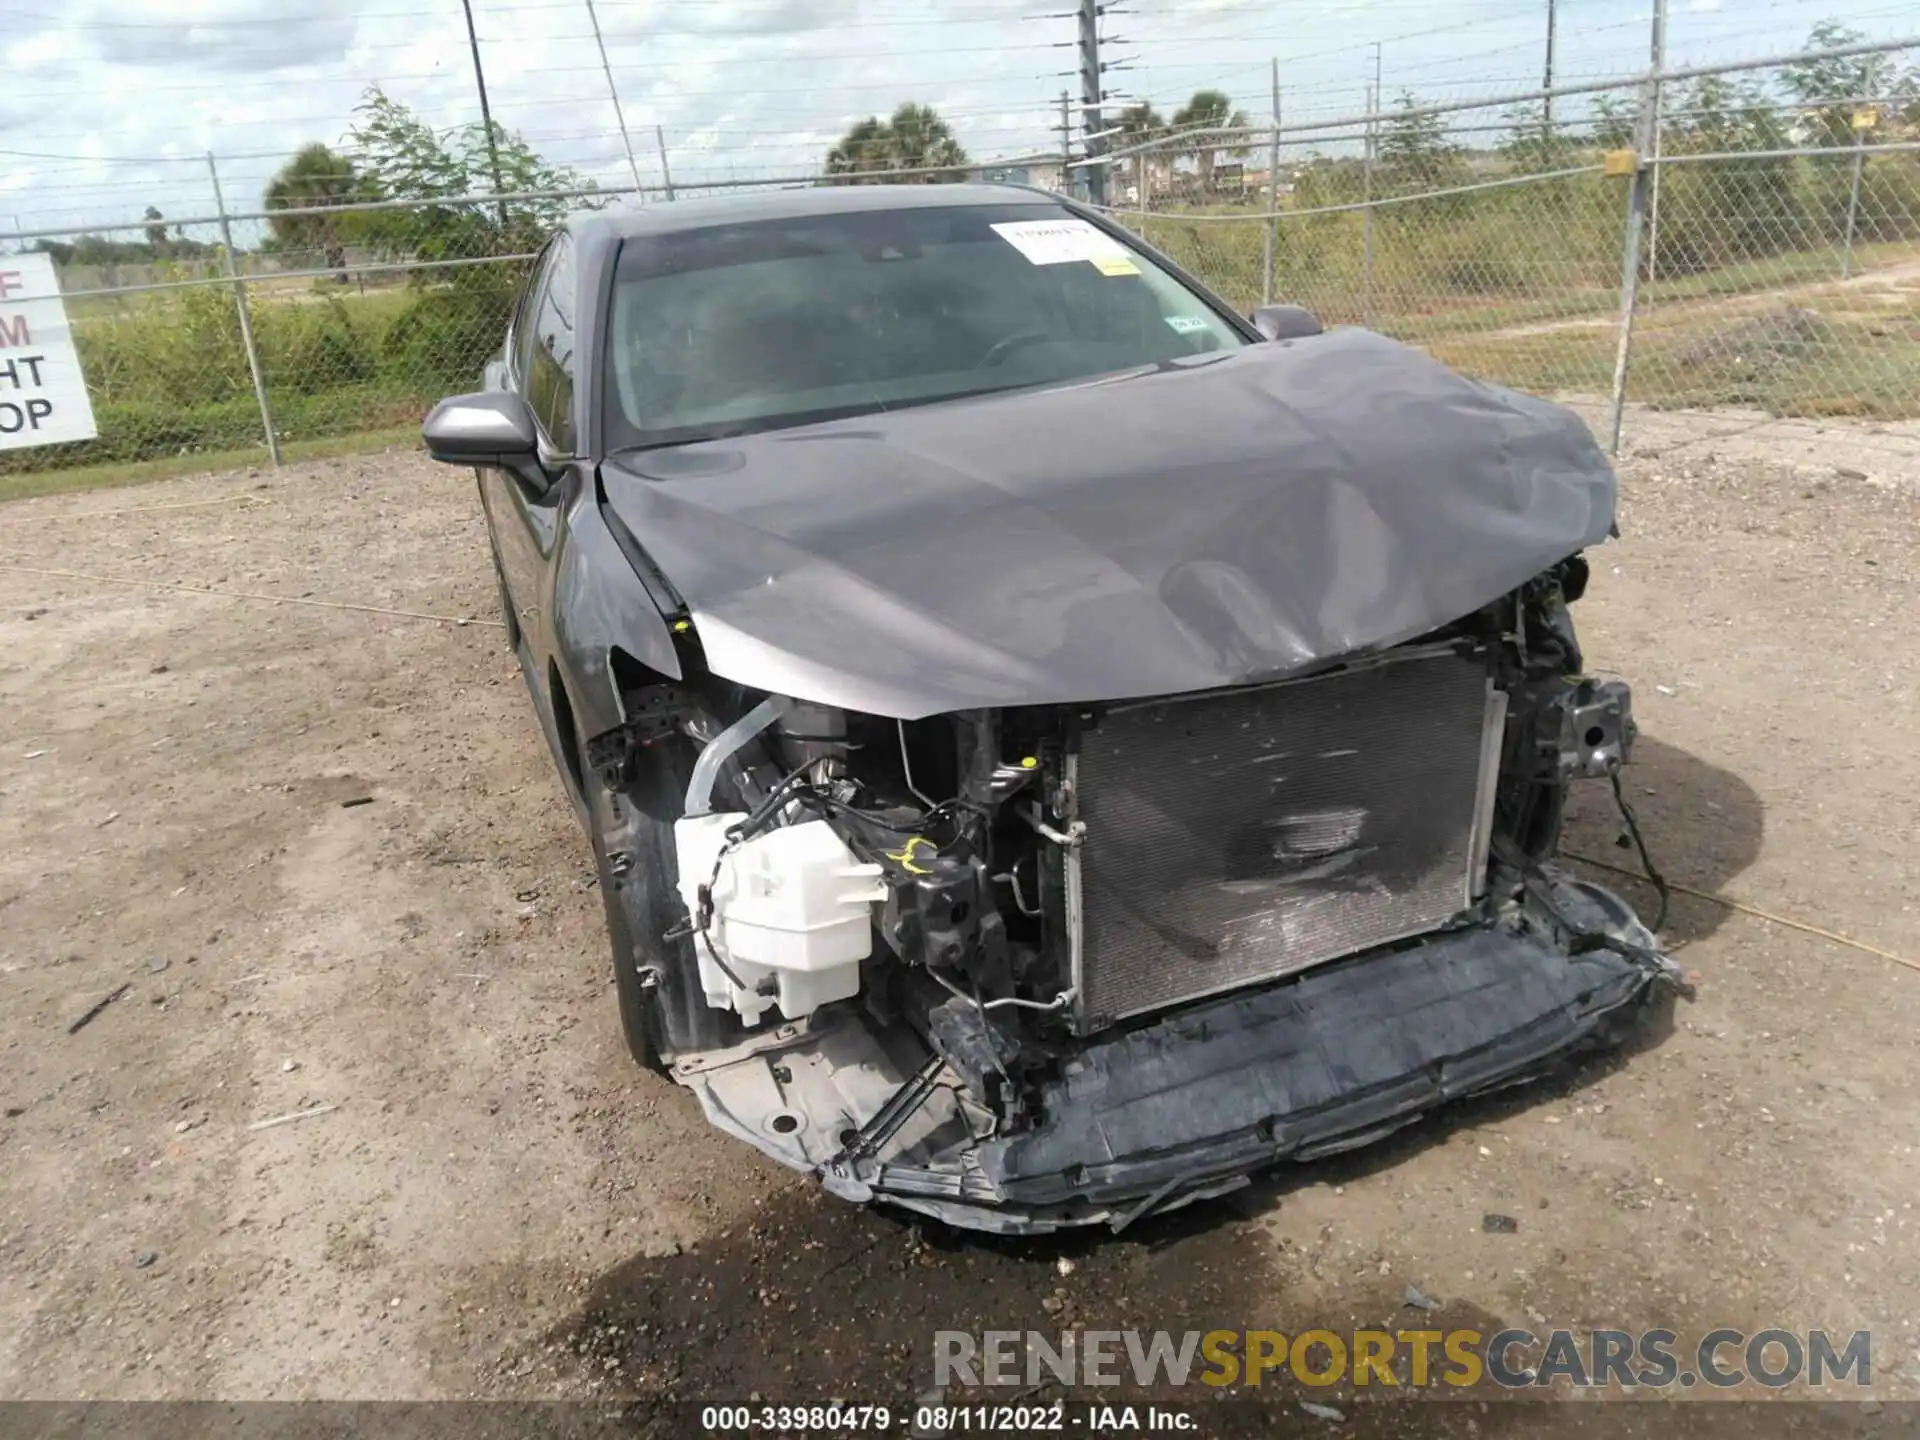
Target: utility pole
(1546, 104)
(486, 112)
(1066, 145)
(614, 94)
(666, 175)
(1090, 98)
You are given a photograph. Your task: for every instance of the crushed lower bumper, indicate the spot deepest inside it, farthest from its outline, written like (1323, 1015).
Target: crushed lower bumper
(1193, 1104)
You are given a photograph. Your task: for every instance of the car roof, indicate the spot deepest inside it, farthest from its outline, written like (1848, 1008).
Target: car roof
(606, 227)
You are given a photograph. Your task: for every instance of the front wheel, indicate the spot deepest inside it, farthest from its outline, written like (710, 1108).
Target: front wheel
(509, 617)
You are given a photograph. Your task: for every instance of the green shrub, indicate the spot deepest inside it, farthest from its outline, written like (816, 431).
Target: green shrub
(441, 342)
(1889, 199)
(314, 346)
(1728, 211)
(179, 346)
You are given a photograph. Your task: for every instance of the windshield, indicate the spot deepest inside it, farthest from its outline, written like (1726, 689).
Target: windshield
(736, 328)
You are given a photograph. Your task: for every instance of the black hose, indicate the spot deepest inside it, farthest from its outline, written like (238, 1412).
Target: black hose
(1654, 877)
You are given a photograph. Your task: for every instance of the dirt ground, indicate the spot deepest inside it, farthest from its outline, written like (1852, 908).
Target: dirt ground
(500, 1205)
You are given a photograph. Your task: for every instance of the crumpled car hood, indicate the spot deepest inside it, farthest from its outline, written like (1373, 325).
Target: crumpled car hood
(1224, 521)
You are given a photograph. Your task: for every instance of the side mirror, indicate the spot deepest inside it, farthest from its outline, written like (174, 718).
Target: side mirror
(491, 428)
(1286, 322)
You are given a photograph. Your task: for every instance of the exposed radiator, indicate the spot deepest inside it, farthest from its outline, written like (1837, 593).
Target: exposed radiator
(1235, 837)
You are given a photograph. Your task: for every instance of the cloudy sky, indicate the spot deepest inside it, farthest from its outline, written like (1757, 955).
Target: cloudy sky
(107, 106)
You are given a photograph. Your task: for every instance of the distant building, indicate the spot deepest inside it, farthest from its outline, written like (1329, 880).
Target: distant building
(1148, 169)
(1040, 171)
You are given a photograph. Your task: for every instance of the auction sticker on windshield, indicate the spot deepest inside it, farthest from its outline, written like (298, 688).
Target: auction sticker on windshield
(1060, 242)
(43, 395)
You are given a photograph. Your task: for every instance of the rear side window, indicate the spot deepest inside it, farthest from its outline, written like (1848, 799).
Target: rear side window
(547, 353)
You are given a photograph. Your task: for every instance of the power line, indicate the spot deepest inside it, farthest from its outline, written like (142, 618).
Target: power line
(717, 143)
(906, 17)
(521, 40)
(1155, 64)
(112, 159)
(361, 77)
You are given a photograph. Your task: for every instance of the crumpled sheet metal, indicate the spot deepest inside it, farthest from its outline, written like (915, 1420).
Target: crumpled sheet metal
(1237, 518)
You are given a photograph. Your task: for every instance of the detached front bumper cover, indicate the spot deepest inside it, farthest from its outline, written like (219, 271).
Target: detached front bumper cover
(1191, 1106)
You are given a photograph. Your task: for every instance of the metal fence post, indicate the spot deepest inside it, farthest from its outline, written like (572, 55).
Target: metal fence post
(1853, 199)
(1653, 189)
(246, 317)
(1273, 193)
(1366, 216)
(1643, 172)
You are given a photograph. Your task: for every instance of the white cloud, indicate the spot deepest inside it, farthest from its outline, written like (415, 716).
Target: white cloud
(742, 88)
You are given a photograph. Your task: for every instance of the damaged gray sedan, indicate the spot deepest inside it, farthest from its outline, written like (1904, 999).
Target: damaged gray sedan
(1051, 746)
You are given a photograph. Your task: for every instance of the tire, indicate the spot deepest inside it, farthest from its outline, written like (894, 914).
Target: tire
(663, 1009)
(507, 616)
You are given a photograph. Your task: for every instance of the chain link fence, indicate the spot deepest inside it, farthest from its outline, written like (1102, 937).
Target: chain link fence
(1743, 236)
(252, 333)
(1702, 238)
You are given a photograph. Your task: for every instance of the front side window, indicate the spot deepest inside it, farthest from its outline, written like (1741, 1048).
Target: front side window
(736, 328)
(520, 331)
(547, 349)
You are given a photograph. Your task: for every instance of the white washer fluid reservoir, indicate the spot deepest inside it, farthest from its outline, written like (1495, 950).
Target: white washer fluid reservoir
(792, 914)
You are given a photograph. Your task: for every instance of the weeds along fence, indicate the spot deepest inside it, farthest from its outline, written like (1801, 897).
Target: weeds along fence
(1737, 235)
(226, 347)
(252, 333)
(1690, 237)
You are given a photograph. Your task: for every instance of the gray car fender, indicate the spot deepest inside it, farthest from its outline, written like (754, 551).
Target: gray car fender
(599, 601)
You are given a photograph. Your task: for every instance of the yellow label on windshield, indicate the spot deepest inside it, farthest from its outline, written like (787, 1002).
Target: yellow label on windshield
(1115, 265)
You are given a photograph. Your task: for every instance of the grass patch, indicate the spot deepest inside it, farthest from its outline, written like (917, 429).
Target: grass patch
(95, 477)
(1781, 360)
(1785, 362)
(1521, 286)
(168, 376)
(1518, 285)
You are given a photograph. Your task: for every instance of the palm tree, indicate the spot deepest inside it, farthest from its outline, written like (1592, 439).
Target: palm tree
(314, 177)
(1140, 124)
(865, 146)
(915, 138)
(1209, 110)
(923, 141)
(156, 232)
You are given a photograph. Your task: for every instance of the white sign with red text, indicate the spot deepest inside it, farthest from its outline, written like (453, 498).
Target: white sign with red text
(43, 395)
